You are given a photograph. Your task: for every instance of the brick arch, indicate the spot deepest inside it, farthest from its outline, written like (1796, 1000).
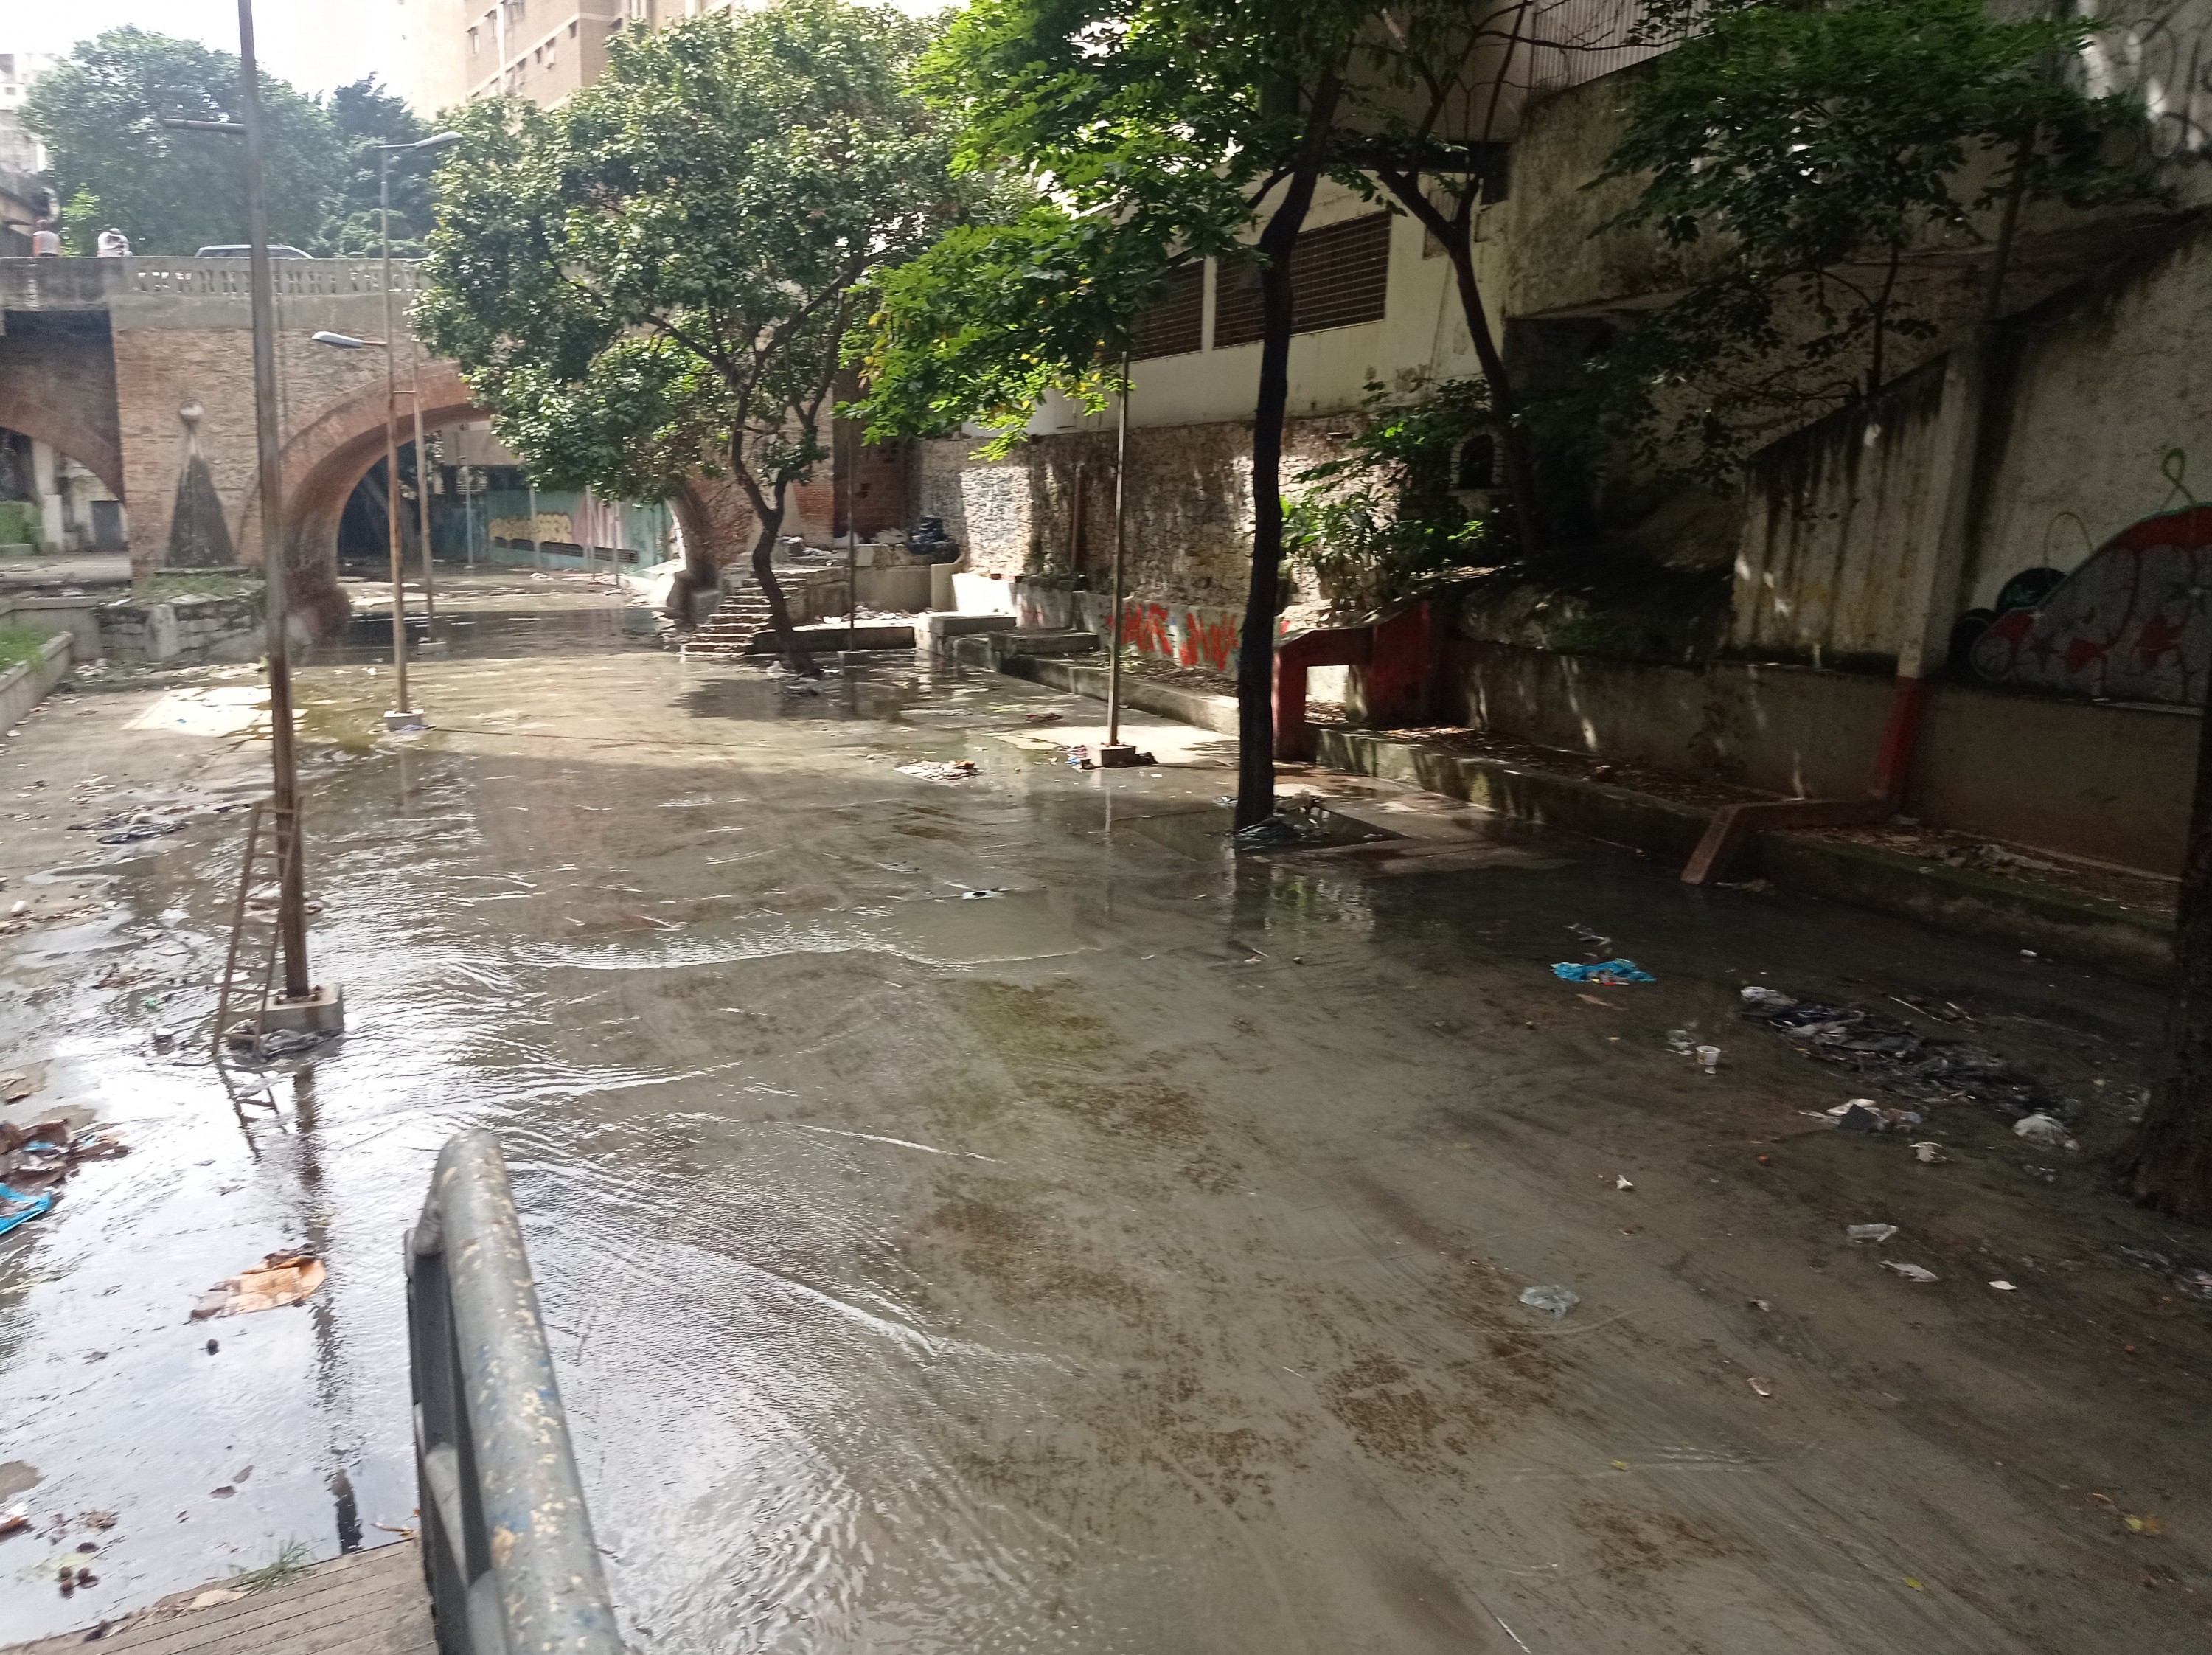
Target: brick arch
(324, 458)
(98, 448)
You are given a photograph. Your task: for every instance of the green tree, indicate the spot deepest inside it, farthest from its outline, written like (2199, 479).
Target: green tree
(112, 162)
(365, 115)
(1815, 150)
(1385, 524)
(659, 276)
(1154, 132)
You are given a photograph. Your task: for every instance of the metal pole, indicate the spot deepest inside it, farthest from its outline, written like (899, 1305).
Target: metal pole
(852, 539)
(536, 548)
(291, 878)
(391, 442)
(422, 485)
(1121, 476)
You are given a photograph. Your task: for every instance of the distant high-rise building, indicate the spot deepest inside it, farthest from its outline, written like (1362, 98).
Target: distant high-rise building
(19, 151)
(541, 49)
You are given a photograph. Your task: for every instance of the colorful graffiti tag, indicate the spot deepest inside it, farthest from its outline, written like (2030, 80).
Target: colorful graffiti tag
(2130, 624)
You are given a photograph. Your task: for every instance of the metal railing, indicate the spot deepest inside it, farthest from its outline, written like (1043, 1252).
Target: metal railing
(506, 1544)
(92, 283)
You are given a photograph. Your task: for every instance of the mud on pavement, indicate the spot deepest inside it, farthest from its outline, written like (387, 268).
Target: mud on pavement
(1128, 1260)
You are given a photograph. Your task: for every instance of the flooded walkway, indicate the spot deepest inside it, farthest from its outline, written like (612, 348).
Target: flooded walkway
(981, 1215)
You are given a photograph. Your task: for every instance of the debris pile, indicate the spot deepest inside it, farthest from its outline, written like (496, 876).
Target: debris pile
(35, 1159)
(1900, 1062)
(955, 770)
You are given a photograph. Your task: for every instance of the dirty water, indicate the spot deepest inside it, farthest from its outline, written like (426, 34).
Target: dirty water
(1129, 1262)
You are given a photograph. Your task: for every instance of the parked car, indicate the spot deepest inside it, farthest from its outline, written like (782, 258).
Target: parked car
(277, 250)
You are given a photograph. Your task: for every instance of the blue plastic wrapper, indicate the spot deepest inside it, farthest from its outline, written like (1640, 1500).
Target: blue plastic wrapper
(1609, 971)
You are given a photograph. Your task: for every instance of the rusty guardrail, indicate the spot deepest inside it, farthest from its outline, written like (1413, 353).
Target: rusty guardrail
(506, 1544)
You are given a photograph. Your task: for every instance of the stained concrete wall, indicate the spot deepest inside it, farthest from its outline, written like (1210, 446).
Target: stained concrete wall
(1837, 523)
(2106, 781)
(1189, 497)
(2091, 393)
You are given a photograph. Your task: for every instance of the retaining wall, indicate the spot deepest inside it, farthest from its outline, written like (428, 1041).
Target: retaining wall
(24, 687)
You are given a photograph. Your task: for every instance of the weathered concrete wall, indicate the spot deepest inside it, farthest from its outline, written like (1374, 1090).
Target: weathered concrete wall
(1189, 500)
(78, 616)
(24, 687)
(2086, 780)
(190, 628)
(2093, 413)
(1837, 522)
(2101, 416)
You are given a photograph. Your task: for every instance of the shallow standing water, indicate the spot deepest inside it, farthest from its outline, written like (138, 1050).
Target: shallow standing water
(1126, 1260)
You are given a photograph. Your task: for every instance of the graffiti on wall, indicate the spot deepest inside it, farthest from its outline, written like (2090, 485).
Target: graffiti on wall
(2130, 623)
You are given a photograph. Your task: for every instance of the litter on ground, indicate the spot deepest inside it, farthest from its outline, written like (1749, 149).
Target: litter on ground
(951, 771)
(1614, 972)
(278, 1279)
(1556, 1299)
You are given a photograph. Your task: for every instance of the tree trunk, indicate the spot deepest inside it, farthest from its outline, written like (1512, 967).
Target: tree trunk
(2168, 1165)
(1505, 406)
(770, 513)
(1256, 653)
(702, 570)
(1452, 234)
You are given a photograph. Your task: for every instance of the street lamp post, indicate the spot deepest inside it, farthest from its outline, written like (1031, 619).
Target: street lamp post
(301, 1005)
(403, 716)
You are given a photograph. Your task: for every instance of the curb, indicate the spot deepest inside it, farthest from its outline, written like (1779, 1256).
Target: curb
(2009, 912)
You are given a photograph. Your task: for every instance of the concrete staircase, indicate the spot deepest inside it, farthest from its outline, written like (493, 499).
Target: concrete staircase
(740, 617)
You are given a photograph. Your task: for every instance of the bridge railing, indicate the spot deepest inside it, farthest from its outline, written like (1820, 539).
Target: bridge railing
(506, 1544)
(93, 284)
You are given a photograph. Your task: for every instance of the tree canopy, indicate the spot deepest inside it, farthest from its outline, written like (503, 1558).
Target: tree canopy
(1816, 150)
(110, 161)
(658, 277)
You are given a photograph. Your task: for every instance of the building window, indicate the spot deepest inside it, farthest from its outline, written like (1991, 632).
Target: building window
(1340, 276)
(1169, 325)
(473, 43)
(572, 30)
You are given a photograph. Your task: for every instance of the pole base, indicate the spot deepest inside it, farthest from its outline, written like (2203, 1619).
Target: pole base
(1122, 756)
(320, 1011)
(404, 720)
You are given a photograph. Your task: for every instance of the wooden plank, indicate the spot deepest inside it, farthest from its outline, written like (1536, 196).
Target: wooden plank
(371, 1603)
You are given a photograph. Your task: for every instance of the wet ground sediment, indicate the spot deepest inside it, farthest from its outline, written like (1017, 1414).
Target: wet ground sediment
(1127, 1259)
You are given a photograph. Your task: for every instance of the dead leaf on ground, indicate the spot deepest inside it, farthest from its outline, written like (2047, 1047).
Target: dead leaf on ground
(1594, 1000)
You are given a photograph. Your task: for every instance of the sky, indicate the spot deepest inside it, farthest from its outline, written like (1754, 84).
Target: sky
(314, 44)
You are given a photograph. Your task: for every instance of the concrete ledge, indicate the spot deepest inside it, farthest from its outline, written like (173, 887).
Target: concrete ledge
(2009, 912)
(1198, 707)
(2124, 941)
(24, 687)
(1666, 831)
(831, 637)
(940, 627)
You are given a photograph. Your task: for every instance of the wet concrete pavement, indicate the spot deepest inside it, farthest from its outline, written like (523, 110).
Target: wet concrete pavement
(1127, 1261)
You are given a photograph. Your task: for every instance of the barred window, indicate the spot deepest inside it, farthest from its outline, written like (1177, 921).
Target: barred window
(1339, 275)
(1169, 325)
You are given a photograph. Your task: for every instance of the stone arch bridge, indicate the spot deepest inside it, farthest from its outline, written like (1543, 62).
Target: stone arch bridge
(142, 370)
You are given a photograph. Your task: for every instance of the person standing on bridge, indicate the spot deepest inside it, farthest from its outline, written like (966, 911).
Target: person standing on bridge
(45, 240)
(113, 244)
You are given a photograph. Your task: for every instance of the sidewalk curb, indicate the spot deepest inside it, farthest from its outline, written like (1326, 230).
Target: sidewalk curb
(2010, 913)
